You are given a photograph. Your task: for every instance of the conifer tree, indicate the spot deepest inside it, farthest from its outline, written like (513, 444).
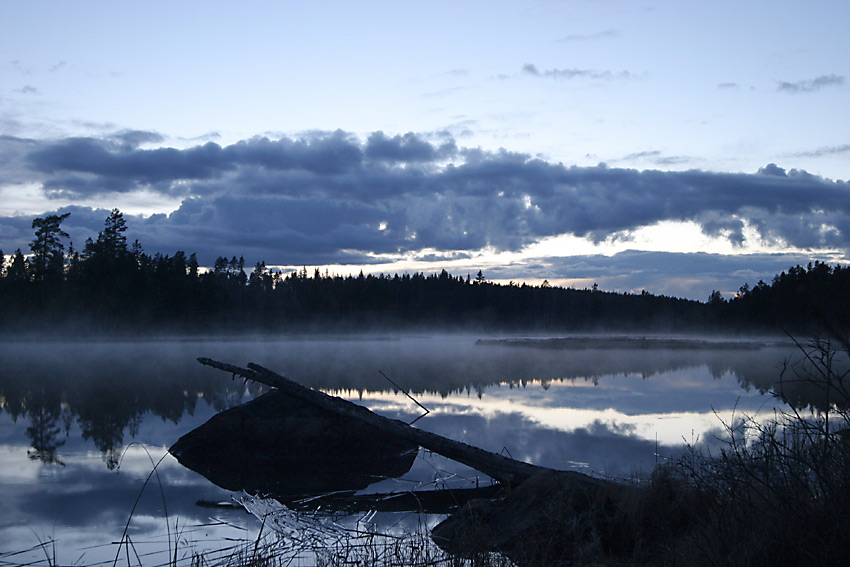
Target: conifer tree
(48, 252)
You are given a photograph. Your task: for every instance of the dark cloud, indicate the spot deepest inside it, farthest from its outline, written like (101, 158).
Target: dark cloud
(772, 169)
(89, 165)
(408, 148)
(331, 197)
(530, 69)
(812, 85)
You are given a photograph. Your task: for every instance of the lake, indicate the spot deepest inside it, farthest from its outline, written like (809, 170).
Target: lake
(85, 425)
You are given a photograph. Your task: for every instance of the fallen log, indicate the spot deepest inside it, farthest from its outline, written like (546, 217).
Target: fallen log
(503, 469)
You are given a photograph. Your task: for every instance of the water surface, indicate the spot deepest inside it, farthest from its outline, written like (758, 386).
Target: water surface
(84, 423)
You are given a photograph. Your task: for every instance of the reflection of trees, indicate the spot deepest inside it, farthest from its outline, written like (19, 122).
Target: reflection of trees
(781, 373)
(103, 417)
(446, 368)
(108, 403)
(44, 430)
(109, 389)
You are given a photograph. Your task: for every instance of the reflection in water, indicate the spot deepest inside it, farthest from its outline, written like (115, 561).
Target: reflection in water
(107, 388)
(602, 411)
(44, 430)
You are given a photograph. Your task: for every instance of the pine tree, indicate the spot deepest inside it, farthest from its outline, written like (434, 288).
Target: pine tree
(18, 271)
(48, 259)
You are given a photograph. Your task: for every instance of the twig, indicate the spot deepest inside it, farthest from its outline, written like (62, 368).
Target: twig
(415, 401)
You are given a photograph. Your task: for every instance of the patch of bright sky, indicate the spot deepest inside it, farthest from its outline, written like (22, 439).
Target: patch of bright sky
(23, 199)
(30, 200)
(666, 236)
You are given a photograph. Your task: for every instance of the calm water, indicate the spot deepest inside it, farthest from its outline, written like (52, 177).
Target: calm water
(83, 424)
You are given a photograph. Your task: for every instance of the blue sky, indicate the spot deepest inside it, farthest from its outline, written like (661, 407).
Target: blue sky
(669, 146)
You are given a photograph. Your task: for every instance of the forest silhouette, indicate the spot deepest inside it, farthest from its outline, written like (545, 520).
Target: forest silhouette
(112, 286)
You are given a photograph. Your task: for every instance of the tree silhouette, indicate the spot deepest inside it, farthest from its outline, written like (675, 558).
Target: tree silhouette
(18, 270)
(111, 285)
(48, 251)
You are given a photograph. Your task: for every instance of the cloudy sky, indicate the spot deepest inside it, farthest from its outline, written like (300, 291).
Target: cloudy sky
(677, 147)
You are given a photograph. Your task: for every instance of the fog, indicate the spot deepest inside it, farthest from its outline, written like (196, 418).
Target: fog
(418, 363)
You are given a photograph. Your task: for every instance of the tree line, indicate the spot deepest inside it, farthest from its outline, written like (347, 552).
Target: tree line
(114, 286)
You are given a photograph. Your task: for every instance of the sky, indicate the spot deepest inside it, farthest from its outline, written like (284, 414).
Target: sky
(672, 147)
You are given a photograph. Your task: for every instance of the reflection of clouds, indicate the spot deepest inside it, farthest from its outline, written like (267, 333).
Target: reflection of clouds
(17, 467)
(81, 493)
(90, 506)
(603, 448)
(669, 406)
(83, 504)
(595, 446)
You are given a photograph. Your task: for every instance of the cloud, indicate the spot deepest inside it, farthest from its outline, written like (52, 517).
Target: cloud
(208, 137)
(605, 34)
(825, 151)
(772, 169)
(813, 85)
(332, 197)
(530, 69)
(643, 155)
(21, 68)
(129, 140)
(406, 148)
(656, 157)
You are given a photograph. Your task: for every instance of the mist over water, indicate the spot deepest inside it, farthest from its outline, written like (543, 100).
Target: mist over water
(83, 422)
